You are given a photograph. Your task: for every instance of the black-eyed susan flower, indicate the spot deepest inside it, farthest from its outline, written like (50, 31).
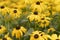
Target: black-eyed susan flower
(44, 21)
(44, 35)
(23, 29)
(44, 24)
(55, 37)
(46, 13)
(51, 30)
(36, 36)
(5, 1)
(43, 17)
(18, 32)
(2, 29)
(53, 6)
(3, 9)
(58, 8)
(16, 6)
(28, 1)
(39, 6)
(34, 16)
(6, 37)
(15, 13)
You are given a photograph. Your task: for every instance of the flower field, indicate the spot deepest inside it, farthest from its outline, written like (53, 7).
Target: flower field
(29, 19)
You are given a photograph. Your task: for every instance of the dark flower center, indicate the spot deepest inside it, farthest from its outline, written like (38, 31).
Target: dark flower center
(4, 39)
(41, 34)
(42, 18)
(15, 11)
(36, 36)
(2, 7)
(0, 27)
(17, 28)
(57, 39)
(38, 3)
(36, 13)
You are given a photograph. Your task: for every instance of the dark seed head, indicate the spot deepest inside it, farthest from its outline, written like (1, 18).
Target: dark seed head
(57, 39)
(15, 11)
(42, 18)
(2, 7)
(36, 13)
(4, 39)
(41, 34)
(17, 28)
(38, 3)
(0, 27)
(36, 36)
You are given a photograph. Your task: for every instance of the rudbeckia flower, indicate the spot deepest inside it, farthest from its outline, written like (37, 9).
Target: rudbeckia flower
(45, 24)
(6, 37)
(23, 29)
(16, 6)
(34, 16)
(3, 8)
(36, 36)
(55, 37)
(2, 29)
(44, 35)
(58, 8)
(5, 1)
(15, 13)
(18, 32)
(39, 6)
(46, 13)
(51, 30)
(53, 6)
(44, 21)
(43, 17)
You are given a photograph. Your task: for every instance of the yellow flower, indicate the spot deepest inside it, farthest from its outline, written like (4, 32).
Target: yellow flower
(44, 24)
(39, 6)
(15, 13)
(43, 35)
(59, 37)
(58, 8)
(17, 6)
(46, 13)
(18, 32)
(28, 1)
(2, 29)
(5, 1)
(44, 21)
(54, 37)
(3, 8)
(34, 16)
(36, 36)
(53, 5)
(57, 2)
(23, 29)
(54, 12)
(6, 37)
(43, 18)
(51, 29)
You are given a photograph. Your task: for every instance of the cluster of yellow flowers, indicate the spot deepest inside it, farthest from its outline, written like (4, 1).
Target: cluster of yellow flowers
(38, 35)
(18, 16)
